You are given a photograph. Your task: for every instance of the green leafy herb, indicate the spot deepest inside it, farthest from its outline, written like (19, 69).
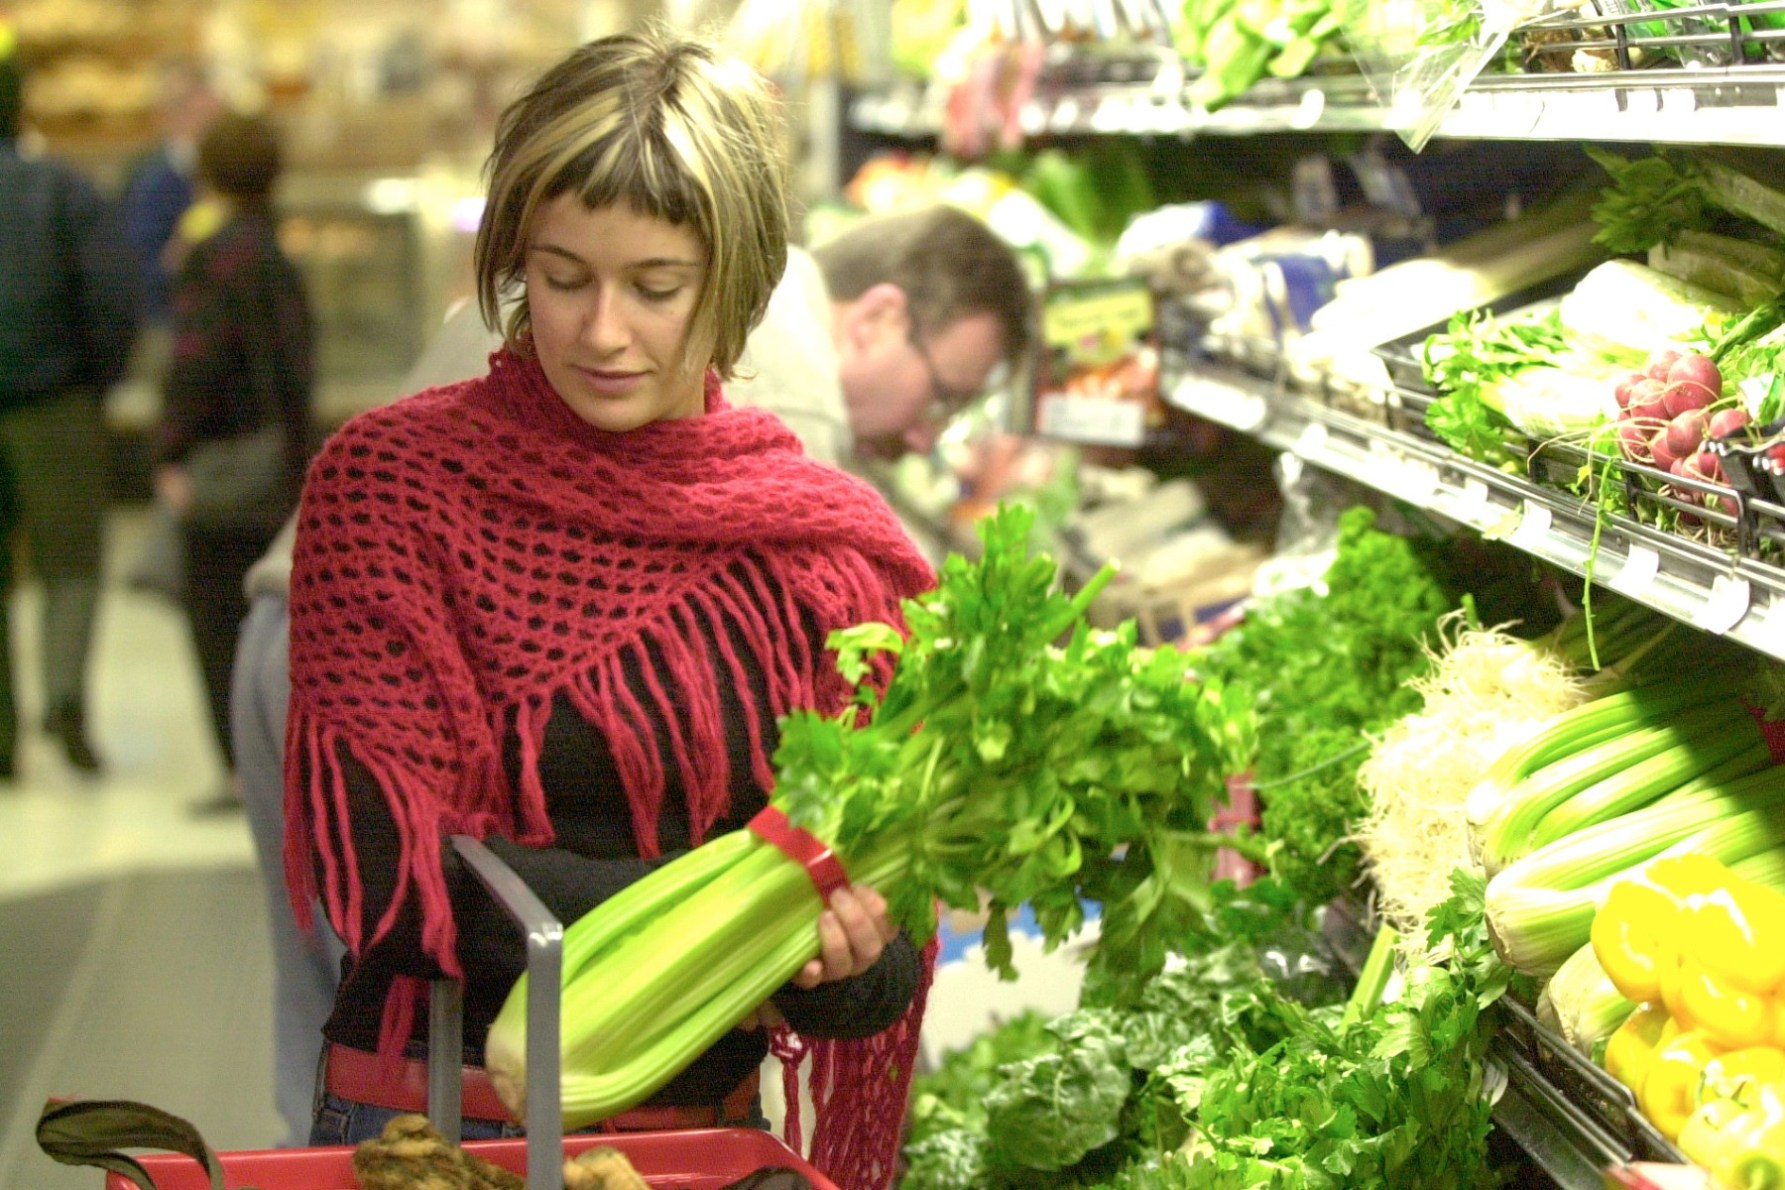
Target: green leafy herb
(1323, 669)
(1650, 200)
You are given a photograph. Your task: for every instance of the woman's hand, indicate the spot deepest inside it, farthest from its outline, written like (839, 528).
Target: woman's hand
(851, 934)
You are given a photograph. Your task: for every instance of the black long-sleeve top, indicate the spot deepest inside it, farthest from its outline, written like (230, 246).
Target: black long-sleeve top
(593, 856)
(243, 353)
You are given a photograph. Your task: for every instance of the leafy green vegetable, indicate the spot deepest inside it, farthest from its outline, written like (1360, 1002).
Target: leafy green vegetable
(1041, 773)
(1323, 669)
(1650, 200)
(1393, 1101)
(1071, 1101)
(1049, 1111)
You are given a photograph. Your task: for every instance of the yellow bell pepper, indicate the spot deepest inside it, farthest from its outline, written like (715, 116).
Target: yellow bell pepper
(1701, 1137)
(1737, 931)
(1745, 1151)
(1721, 1011)
(1631, 1047)
(1669, 1092)
(1745, 1076)
(1638, 933)
(1708, 944)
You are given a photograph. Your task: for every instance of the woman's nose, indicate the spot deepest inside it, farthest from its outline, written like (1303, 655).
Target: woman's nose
(605, 330)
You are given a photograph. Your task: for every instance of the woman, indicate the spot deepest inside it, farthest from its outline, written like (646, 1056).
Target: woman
(562, 605)
(235, 425)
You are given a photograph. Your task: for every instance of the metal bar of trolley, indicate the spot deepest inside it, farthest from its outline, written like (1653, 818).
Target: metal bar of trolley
(545, 965)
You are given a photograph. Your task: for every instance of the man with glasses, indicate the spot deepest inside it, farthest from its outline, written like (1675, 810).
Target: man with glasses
(926, 307)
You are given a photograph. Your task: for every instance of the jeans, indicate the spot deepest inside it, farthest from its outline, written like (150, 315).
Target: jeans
(305, 965)
(343, 1122)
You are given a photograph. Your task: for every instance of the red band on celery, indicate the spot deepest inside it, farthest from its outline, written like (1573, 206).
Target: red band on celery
(1772, 733)
(804, 849)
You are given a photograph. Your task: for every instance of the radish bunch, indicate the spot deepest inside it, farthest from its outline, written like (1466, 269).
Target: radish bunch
(1667, 411)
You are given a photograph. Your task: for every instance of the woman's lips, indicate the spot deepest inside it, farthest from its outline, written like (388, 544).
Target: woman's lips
(611, 383)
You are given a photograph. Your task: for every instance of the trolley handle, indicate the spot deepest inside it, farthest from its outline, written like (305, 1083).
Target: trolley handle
(446, 1032)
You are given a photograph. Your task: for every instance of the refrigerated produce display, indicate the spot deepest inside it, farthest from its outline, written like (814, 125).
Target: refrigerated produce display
(1527, 311)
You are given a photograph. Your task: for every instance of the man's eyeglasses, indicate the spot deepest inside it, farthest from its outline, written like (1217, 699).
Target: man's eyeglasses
(945, 401)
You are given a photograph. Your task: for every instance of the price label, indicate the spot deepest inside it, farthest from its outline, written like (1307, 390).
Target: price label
(1679, 99)
(1112, 115)
(1403, 476)
(1725, 606)
(1640, 567)
(1092, 420)
(1641, 100)
(1519, 110)
(1471, 506)
(1065, 115)
(1238, 408)
(1312, 440)
(1533, 527)
(1310, 109)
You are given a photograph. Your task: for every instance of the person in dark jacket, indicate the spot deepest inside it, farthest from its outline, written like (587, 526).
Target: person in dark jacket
(241, 372)
(68, 316)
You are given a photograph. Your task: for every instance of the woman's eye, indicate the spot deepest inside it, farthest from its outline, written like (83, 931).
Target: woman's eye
(563, 283)
(658, 295)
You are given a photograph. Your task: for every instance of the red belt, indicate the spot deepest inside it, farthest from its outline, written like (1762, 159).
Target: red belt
(402, 1085)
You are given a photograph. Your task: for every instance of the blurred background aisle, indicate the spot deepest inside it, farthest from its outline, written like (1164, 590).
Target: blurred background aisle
(133, 952)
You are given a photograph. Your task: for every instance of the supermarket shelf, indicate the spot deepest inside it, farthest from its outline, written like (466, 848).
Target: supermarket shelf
(1715, 590)
(1733, 106)
(1565, 1147)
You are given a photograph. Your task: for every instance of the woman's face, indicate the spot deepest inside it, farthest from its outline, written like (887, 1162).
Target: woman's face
(611, 294)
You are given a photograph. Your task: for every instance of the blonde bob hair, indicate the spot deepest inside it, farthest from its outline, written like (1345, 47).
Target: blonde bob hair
(674, 129)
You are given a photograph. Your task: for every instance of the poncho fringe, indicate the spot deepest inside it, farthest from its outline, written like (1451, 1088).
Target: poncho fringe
(629, 573)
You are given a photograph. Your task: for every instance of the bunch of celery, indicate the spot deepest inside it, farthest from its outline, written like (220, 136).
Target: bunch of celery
(1671, 768)
(998, 759)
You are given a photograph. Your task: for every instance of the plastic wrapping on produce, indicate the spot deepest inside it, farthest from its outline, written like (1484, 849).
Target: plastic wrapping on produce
(1418, 56)
(1308, 530)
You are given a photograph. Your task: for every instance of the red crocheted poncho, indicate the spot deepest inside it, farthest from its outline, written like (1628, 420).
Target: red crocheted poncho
(469, 553)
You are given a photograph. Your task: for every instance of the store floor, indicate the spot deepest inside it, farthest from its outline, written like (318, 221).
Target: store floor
(133, 955)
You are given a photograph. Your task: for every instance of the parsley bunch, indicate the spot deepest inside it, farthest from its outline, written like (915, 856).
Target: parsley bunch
(1393, 1101)
(1323, 669)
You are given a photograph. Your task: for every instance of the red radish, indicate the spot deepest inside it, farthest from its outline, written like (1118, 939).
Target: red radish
(1647, 403)
(1625, 383)
(1633, 442)
(1685, 433)
(1727, 421)
(1709, 465)
(1683, 396)
(1665, 456)
(1659, 364)
(1693, 382)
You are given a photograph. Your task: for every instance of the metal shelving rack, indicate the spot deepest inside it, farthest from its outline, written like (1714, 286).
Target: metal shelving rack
(1570, 1118)
(1730, 105)
(1716, 590)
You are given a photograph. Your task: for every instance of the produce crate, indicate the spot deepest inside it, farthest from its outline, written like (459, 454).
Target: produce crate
(702, 1159)
(1620, 41)
(693, 1159)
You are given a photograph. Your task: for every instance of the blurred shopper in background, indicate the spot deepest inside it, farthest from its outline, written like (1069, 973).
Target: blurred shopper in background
(161, 184)
(235, 430)
(68, 315)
